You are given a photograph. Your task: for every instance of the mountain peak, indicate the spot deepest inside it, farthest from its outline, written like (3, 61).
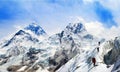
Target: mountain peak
(36, 29)
(20, 32)
(76, 27)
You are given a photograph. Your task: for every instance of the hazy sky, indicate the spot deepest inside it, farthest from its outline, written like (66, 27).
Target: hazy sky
(54, 15)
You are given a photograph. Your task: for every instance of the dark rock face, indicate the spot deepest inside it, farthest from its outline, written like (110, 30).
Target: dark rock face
(88, 36)
(111, 57)
(13, 68)
(4, 59)
(30, 56)
(116, 66)
(33, 51)
(76, 28)
(60, 58)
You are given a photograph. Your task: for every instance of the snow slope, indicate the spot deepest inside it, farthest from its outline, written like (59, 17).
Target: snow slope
(107, 59)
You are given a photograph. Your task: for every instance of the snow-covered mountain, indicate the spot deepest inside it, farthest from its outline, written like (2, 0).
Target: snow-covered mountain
(22, 40)
(107, 59)
(71, 50)
(73, 39)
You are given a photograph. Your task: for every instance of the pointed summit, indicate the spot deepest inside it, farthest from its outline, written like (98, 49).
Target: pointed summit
(75, 28)
(36, 29)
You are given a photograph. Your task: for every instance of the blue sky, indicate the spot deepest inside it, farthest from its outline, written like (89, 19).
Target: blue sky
(54, 15)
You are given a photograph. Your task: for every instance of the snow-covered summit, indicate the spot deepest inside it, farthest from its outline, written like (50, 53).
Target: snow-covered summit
(36, 29)
(75, 28)
(23, 39)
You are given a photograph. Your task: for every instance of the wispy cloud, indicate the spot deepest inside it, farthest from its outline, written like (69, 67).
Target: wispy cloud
(97, 29)
(104, 14)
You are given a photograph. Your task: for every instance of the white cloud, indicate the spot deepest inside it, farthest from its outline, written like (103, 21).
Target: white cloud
(76, 19)
(98, 29)
(114, 6)
(94, 28)
(18, 27)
